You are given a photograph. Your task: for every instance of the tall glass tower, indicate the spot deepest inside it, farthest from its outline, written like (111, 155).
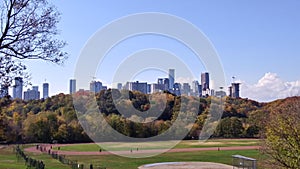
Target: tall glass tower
(205, 81)
(171, 78)
(72, 86)
(45, 90)
(18, 88)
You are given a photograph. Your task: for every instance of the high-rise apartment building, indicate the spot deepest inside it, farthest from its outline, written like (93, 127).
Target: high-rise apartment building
(45, 90)
(72, 86)
(18, 88)
(171, 78)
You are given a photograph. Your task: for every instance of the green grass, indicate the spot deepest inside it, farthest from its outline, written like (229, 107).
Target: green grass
(8, 159)
(161, 145)
(116, 162)
(49, 162)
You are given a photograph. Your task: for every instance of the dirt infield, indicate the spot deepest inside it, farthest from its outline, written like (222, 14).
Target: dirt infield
(186, 165)
(47, 147)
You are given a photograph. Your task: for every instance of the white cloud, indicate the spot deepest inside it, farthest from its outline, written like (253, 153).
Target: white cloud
(269, 88)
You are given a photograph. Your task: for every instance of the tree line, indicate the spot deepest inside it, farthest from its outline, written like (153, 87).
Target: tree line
(55, 119)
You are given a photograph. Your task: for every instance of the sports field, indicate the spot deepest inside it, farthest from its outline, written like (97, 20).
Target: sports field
(120, 146)
(8, 158)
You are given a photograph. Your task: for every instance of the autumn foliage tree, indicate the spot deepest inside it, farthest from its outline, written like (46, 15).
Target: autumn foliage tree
(282, 135)
(28, 31)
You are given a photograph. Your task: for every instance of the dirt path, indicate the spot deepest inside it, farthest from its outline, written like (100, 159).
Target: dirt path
(47, 147)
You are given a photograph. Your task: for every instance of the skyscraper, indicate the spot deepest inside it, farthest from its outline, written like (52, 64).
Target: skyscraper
(205, 81)
(171, 78)
(45, 90)
(18, 88)
(95, 86)
(234, 90)
(72, 86)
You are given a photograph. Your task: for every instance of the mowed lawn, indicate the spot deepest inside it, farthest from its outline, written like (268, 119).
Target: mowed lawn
(120, 146)
(117, 162)
(9, 160)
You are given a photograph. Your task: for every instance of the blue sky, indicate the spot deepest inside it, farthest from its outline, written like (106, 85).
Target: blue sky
(252, 39)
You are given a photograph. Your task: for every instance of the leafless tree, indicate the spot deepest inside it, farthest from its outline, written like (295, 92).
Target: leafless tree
(28, 31)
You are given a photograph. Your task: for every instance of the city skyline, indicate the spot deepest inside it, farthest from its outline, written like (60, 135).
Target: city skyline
(256, 47)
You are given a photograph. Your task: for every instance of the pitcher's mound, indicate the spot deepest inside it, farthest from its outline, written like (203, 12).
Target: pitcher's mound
(186, 165)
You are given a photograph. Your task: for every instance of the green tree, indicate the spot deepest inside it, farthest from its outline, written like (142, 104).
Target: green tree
(230, 128)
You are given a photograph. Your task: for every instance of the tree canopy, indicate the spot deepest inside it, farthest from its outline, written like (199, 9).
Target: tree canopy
(282, 134)
(54, 118)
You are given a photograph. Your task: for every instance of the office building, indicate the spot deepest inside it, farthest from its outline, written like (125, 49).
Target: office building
(136, 86)
(45, 90)
(95, 86)
(205, 84)
(119, 86)
(18, 88)
(186, 89)
(154, 88)
(205, 81)
(3, 91)
(230, 91)
(171, 78)
(148, 88)
(72, 86)
(163, 84)
(177, 89)
(33, 94)
(196, 88)
(234, 90)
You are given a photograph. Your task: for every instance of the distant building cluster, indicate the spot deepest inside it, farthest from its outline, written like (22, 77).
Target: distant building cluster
(200, 89)
(169, 84)
(30, 94)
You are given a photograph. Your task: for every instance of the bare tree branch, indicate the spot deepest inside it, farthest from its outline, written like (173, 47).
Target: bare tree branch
(28, 31)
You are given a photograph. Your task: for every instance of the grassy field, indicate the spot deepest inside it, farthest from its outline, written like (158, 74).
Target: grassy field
(117, 162)
(8, 159)
(161, 145)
